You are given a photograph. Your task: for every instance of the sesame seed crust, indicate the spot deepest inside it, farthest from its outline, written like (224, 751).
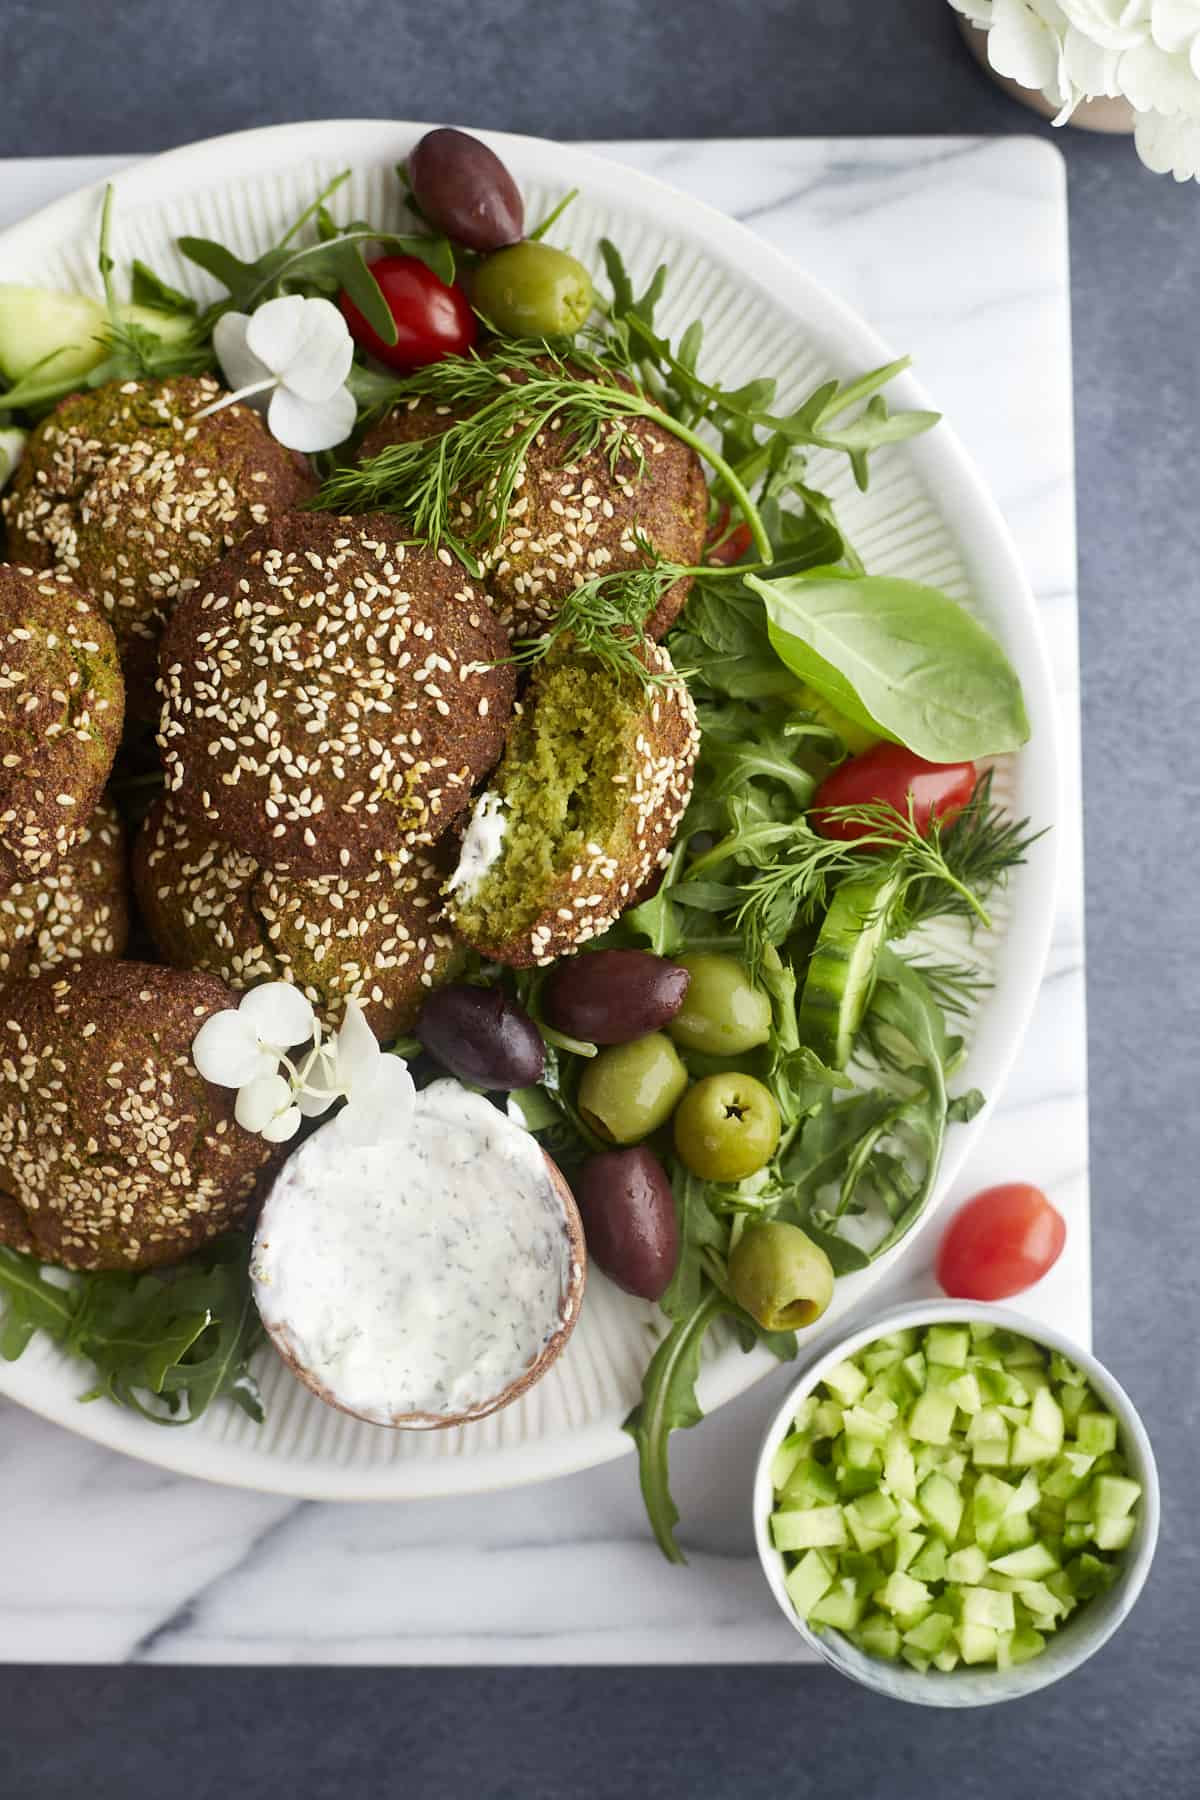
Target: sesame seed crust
(572, 519)
(380, 936)
(61, 711)
(114, 1151)
(329, 698)
(124, 490)
(80, 907)
(590, 893)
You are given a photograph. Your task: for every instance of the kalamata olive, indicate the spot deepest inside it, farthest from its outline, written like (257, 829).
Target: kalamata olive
(613, 995)
(464, 190)
(482, 1036)
(629, 1219)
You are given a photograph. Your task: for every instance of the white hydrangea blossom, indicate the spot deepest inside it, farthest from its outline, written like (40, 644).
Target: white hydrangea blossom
(252, 1047)
(1146, 51)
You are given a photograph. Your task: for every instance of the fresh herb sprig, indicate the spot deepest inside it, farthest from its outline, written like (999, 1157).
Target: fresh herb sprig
(165, 1345)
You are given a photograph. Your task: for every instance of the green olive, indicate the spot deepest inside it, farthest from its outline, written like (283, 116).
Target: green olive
(781, 1278)
(723, 1013)
(726, 1127)
(629, 1090)
(533, 290)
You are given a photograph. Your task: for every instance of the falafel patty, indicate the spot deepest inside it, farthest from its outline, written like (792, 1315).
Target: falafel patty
(592, 787)
(62, 705)
(380, 936)
(116, 1152)
(127, 491)
(576, 517)
(333, 696)
(80, 907)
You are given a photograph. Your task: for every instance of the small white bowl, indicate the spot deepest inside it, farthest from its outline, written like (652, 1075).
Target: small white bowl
(1082, 1635)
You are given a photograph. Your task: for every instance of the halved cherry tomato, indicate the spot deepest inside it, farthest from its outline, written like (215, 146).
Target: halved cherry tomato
(432, 320)
(725, 546)
(1000, 1243)
(889, 773)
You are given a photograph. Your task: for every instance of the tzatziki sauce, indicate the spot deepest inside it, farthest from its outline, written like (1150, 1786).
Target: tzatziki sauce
(483, 840)
(421, 1276)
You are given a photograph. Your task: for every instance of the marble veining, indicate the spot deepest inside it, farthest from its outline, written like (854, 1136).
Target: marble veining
(954, 249)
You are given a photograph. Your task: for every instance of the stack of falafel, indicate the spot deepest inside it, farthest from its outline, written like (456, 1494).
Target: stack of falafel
(332, 696)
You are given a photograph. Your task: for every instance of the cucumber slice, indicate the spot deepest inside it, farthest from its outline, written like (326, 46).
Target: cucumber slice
(59, 332)
(841, 970)
(811, 1528)
(811, 1578)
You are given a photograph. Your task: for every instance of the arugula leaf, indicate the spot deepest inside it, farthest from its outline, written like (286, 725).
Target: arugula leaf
(148, 289)
(668, 1404)
(166, 1344)
(899, 657)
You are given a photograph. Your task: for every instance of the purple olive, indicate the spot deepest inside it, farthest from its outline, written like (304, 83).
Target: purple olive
(464, 190)
(482, 1036)
(613, 996)
(628, 1214)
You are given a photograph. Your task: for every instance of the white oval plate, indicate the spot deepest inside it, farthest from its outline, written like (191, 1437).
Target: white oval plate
(927, 516)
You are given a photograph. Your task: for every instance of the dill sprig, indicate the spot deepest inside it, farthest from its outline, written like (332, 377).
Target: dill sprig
(497, 407)
(947, 872)
(605, 619)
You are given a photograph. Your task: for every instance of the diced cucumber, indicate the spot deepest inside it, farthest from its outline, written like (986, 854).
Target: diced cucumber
(847, 1382)
(813, 1528)
(966, 1567)
(984, 1606)
(1113, 1496)
(932, 1417)
(1113, 1534)
(977, 1643)
(1046, 1418)
(903, 1595)
(931, 1635)
(930, 1565)
(841, 969)
(842, 1607)
(792, 1450)
(903, 1533)
(941, 1505)
(805, 1584)
(1095, 1433)
(879, 1636)
(1029, 1564)
(948, 1344)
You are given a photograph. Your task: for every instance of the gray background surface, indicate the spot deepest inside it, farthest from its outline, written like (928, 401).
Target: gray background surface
(82, 76)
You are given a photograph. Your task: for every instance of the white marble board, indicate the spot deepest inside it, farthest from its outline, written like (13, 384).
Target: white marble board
(954, 249)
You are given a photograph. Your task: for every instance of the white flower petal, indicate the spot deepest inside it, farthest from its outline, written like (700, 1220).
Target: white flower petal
(12, 449)
(1156, 82)
(311, 425)
(261, 1101)
(275, 334)
(322, 1075)
(282, 1128)
(979, 12)
(380, 1110)
(239, 365)
(1023, 46)
(1109, 24)
(226, 1051)
(356, 1049)
(1175, 24)
(1169, 146)
(278, 1013)
(1089, 67)
(322, 361)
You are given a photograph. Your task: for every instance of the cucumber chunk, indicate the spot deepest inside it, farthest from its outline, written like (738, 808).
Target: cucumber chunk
(841, 970)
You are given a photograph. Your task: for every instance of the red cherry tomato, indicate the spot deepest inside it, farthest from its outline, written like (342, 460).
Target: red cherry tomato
(725, 546)
(1000, 1243)
(432, 320)
(890, 773)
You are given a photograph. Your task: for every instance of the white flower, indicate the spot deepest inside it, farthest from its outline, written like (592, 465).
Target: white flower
(12, 449)
(267, 1105)
(245, 1043)
(1169, 146)
(1026, 44)
(378, 1088)
(292, 356)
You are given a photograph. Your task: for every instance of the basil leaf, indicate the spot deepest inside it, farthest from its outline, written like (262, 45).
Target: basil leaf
(898, 656)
